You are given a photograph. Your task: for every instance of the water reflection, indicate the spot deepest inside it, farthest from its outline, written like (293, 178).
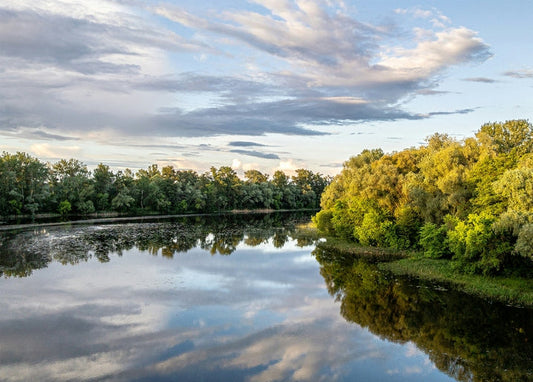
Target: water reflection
(469, 339)
(162, 301)
(23, 252)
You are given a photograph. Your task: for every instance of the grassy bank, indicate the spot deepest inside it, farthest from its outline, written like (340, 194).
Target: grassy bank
(373, 254)
(509, 290)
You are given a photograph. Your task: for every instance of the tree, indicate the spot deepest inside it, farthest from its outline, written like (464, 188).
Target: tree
(255, 176)
(103, 186)
(476, 246)
(227, 187)
(23, 184)
(433, 240)
(471, 198)
(71, 181)
(516, 187)
(123, 201)
(514, 138)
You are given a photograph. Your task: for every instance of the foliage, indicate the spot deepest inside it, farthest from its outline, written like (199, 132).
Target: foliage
(433, 240)
(28, 186)
(64, 207)
(23, 184)
(472, 199)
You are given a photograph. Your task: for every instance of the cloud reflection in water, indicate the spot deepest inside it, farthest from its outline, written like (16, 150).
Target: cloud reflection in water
(261, 314)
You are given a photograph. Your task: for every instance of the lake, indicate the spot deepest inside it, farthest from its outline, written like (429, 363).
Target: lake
(235, 298)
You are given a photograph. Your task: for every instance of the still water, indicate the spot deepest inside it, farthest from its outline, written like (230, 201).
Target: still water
(235, 298)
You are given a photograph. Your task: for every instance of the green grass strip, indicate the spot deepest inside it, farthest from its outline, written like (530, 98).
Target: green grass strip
(510, 290)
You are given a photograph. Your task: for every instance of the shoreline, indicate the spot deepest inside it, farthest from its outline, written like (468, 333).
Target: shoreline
(514, 291)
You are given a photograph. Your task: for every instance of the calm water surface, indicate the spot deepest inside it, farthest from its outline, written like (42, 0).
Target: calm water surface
(236, 299)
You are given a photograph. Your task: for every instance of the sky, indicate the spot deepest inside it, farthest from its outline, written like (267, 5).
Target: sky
(269, 85)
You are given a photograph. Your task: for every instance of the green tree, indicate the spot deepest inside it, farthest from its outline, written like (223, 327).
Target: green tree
(433, 240)
(476, 246)
(23, 184)
(513, 138)
(255, 176)
(103, 186)
(70, 180)
(64, 208)
(227, 187)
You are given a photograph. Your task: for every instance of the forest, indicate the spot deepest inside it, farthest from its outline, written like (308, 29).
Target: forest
(29, 186)
(469, 201)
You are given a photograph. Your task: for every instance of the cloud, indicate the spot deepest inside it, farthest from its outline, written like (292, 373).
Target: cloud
(81, 69)
(49, 151)
(160, 146)
(255, 154)
(431, 92)
(334, 49)
(236, 164)
(520, 74)
(38, 134)
(451, 112)
(289, 167)
(245, 144)
(287, 116)
(332, 165)
(480, 79)
(83, 45)
(235, 89)
(436, 18)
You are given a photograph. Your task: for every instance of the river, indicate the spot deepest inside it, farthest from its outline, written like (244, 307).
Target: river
(235, 298)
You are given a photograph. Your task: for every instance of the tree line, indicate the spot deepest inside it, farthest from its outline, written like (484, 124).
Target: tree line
(468, 200)
(29, 186)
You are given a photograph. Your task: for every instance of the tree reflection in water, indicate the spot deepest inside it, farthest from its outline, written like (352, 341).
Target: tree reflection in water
(23, 252)
(467, 338)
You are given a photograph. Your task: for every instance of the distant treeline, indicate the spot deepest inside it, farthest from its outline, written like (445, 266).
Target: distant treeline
(29, 186)
(470, 201)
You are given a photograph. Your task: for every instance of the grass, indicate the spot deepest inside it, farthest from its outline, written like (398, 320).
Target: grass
(509, 290)
(359, 251)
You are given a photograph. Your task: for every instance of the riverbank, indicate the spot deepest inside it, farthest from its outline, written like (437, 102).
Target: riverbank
(508, 290)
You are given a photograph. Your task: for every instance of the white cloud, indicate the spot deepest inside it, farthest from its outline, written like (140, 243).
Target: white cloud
(236, 164)
(449, 47)
(250, 166)
(335, 49)
(288, 166)
(49, 151)
(102, 68)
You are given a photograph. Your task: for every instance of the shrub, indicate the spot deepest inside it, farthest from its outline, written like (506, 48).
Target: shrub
(64, 207)
(434, 241)
(323, 221)
(476, 246)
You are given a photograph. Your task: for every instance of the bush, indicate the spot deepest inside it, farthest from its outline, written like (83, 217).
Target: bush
(373, 229)
(343, 221)
(86, 207)
(64, 207)
(476, 246)
(323, 222)
(524, 243)
(434, 241)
